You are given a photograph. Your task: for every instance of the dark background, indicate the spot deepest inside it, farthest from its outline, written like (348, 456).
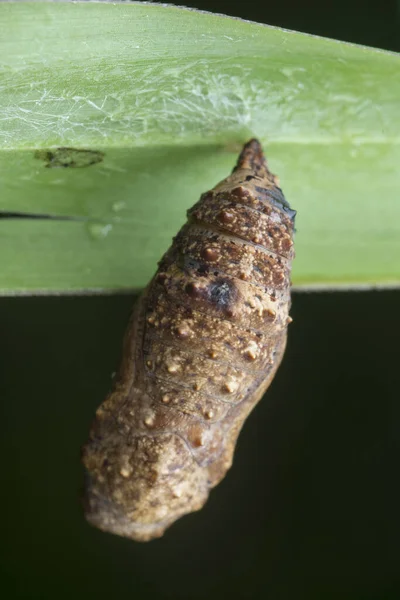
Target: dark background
(308, 509)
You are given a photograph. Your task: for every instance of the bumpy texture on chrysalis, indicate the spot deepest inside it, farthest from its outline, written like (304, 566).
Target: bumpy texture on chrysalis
(201, 348)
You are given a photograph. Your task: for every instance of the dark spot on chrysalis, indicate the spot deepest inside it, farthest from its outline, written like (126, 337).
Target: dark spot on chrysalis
(194, 290)
(290, 212)
(222, 293)
(191, 265)
(276, 197)
(188, 263)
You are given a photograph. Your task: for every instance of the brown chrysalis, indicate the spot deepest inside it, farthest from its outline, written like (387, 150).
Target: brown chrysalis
(202, 346)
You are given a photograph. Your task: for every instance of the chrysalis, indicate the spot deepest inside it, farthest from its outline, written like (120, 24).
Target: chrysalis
(201, 348)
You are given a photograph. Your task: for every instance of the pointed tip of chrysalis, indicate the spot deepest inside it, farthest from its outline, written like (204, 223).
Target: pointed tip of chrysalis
(252, 157)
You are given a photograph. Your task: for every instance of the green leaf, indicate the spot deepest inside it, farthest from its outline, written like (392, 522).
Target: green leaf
(162, 98)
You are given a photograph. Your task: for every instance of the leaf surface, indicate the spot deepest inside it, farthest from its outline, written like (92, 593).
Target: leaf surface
(161, 99)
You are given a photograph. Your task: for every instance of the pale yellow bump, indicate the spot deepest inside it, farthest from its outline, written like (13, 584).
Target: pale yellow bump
(177, 493)
(151, 320)
(251, 352)
(289, 320)
(166, 399)
(209, 414)
(126, 472)
(198, 441)
(149, 421)
(230, 386)
(149, 363)
(173, 368)
(182, 332)
(270, 312)
(212, 354)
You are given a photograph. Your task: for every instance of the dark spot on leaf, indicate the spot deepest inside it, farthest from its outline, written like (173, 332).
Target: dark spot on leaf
(69, 157)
